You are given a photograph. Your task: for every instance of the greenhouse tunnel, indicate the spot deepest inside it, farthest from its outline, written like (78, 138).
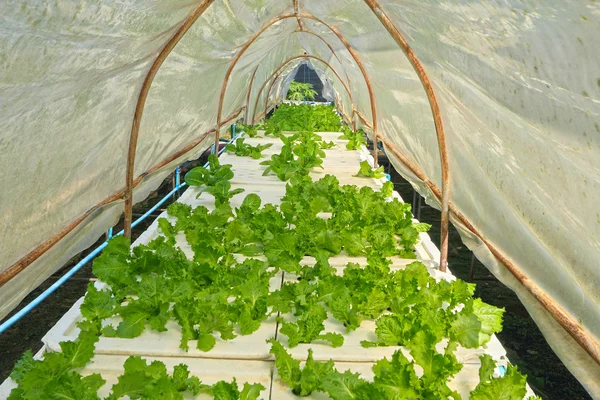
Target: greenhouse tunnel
(485, 108)
(306, 74)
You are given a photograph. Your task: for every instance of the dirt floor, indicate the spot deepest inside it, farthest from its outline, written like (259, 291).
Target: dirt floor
(523, 341)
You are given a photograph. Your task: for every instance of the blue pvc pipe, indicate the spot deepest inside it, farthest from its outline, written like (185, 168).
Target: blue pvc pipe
(154, 207)
(502, 370)
(9, 322)
(25, 310)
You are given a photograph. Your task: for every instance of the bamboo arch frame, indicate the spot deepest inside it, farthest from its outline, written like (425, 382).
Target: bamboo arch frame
(250, 87)
(363, 119)
(285, 64)
(296, 12)
(328, 45)
(272, 84)
(437, 119)
(341, 37)
(249, 93)
(570, 324)
(141, 103)
(32, 256)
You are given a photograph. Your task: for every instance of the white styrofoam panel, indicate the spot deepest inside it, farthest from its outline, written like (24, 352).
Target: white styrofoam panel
(326, 136)
(7, 386)
(464, 382)
(429, 247)
(165, 344)
(343, 260)
(352, 351)
(250, 176)
(269, 194)
(209, 371)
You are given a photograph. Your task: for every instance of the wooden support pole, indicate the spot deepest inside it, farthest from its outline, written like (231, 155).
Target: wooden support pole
(437, 119)
(141, 102)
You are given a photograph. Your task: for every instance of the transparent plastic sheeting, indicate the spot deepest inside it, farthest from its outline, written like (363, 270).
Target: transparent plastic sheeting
(282, 85)
(517, 81)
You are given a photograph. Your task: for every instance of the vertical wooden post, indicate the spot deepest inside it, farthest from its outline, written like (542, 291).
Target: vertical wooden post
(247, 116)
(139, 109)
(437, 119)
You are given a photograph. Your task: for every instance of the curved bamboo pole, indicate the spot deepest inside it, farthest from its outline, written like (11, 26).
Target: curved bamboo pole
(268, 93)
(365, 76)
(282, 17)
(29, 258)
(285, 64)
(266, 97)
(296, 12)
(328, 46)
(363, 119)
(566, 320)
(437, 119)
(246, 119)
(139, 108)
(235, 60)
(262, 112)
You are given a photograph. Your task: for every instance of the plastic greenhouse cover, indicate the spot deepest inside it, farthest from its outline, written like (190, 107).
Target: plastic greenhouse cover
(517, 82)
(328, 91)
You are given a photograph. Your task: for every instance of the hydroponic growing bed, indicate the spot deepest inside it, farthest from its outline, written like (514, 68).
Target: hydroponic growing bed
(291, 268)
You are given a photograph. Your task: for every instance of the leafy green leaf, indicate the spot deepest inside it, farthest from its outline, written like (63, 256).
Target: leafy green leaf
(98, 304)
(367, 172)
(512, 386)
(343, 386)
(225, 391)
(81, 351)
(488, 365)
(25, 364)
(312, 374)
(251, 391)
(288, 368)
(466, 329)
(490, 318)
(335, 339)
(396, 378)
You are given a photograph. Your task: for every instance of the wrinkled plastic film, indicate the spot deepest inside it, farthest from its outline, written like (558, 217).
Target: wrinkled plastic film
(65, 122)
(517, 86)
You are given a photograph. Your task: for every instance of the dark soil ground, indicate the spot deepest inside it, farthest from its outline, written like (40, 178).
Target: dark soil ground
(522, 339)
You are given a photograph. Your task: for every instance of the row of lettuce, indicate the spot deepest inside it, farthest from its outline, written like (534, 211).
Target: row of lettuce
(224, 289)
